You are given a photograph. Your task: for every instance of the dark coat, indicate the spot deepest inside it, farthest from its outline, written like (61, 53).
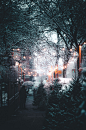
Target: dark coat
(22, 94)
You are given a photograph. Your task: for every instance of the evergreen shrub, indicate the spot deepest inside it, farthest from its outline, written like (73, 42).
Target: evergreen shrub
(40, 97)
(61, 113)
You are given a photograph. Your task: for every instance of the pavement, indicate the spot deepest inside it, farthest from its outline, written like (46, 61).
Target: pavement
(29, 118)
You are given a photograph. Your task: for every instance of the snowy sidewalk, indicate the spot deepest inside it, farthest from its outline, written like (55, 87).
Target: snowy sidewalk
(26, 119)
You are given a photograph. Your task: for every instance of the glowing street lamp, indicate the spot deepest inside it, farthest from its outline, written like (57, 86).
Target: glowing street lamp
(24, 57)
(79, 56)
(74, 53)
(80, 46)
(18, 49)
(63, 49)
(85, 43)
(65, 67)
(70, 49)
(29, 57)
(17, 64)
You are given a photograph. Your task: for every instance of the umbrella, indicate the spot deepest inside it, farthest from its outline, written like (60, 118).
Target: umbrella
(27, 84)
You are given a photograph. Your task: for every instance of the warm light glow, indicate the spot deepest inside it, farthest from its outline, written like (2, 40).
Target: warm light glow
(79, 56)
(56, 67)
(65, 66)
(24, 57)
(17, 64)
(74, 53)
(44, 49)
(63, 49)
(49, 73)
(70, 49)
(84, 42)
(29, 57)
(18, 49)
(54, 54)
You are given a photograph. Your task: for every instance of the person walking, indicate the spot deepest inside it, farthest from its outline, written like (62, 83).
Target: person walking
(22, 94)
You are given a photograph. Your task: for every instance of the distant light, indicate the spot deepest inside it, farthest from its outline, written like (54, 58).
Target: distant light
(44, 49)
(54, 54)
(84, 42)
(17, 64)
(18, 49)
(49, 73)
(56, 67)
(24, 57)
(74, 53)
(60, 60)
(63, 49)
(70, 49)
(65, 66)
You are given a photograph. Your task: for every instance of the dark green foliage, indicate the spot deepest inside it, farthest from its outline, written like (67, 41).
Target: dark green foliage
(75, 91)
(62, 112)
(40, 97)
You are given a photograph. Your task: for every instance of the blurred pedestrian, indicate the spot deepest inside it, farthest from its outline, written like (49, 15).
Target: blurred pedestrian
(22, 94)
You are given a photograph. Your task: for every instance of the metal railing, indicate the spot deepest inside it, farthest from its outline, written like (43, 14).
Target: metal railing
(9, 97)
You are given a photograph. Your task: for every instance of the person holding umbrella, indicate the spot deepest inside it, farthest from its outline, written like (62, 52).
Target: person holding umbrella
(22, 95)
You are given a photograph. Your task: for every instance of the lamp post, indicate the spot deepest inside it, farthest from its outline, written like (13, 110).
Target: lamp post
(80, 47)
(79, 56)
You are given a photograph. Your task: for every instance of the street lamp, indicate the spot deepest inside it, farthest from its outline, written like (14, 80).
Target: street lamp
(24, 57)
(79, 56)
(18, 49)
(16, 63)
(70, 49)
(80, 46)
